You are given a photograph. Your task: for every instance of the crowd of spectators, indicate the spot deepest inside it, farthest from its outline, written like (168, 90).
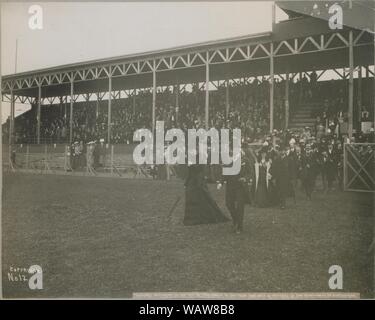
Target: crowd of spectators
(247, 108)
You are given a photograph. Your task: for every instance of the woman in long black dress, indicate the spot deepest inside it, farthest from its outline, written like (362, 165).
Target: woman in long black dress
(262, 180)
(200, 207)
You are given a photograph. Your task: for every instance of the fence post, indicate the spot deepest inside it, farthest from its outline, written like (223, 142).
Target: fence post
(66, 158)
(27, 156)
(345, 166)
(87, 158)
(45, 158)
(112, 147)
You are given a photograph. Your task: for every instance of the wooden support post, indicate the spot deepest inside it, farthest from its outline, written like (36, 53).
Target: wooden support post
(287, 101)
(227, 106)
(177, 109)
(345, 165)
(71, 111)
(97, 105)
(153, 97)
(373, 124)
(61, 105)
(38, 114)
(350, 98)
(272, 80)
(65, 103)
(11, 122)
(66, 151)
(359, 94)
(109, 124)
(207, 100)
(300, 87)
(112, 153)
(177, 95)
(134, 94)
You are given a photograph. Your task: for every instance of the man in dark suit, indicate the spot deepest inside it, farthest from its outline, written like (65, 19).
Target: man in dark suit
(280, 172)
(307, 171)
(330, 165)
(237, 192)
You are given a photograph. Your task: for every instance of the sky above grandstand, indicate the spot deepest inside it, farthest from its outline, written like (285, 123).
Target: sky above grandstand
(77, 32)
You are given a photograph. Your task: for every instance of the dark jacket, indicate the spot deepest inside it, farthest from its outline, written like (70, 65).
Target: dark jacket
(280, 171)
(241, 182)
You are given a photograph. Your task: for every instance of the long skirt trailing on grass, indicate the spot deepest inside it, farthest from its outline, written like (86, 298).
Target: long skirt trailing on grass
(200, 207)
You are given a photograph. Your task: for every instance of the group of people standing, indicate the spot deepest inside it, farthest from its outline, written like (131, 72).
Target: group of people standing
(89, 156)
(266, 179)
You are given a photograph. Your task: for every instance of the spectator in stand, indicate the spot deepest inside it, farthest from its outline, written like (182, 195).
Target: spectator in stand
(248, 110)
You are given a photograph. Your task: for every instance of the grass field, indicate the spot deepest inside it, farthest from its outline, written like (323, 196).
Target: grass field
(107, 237)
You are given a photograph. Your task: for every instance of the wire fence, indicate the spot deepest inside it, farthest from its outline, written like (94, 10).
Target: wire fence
(109, 160)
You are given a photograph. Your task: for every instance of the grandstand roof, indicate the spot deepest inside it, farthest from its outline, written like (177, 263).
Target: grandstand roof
(299, 44)
(201, 46)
